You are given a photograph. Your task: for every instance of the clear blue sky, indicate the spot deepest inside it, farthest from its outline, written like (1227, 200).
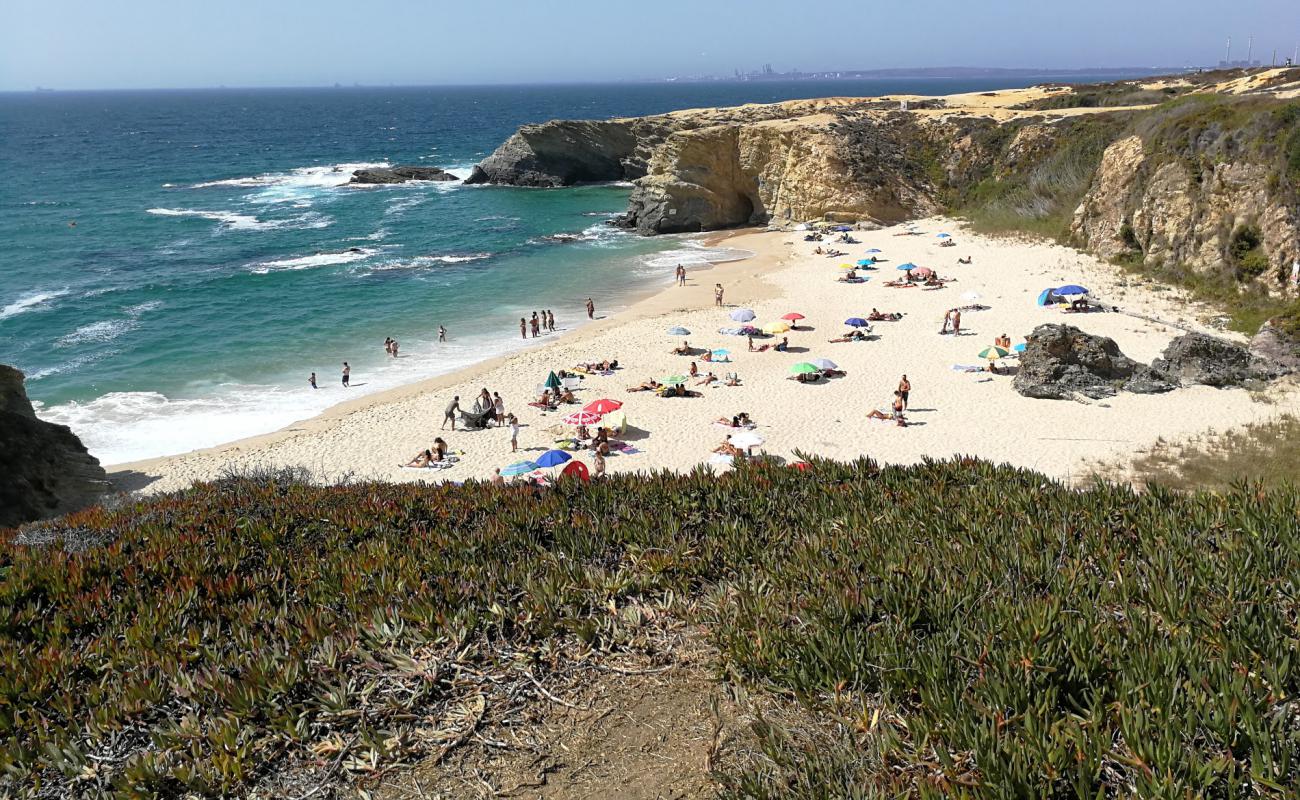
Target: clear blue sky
(69, 44)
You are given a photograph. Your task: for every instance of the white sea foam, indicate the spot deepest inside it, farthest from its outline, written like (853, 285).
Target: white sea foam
(420, 262)
(248, 222)
(318, 177)
(317, 260)
(106, 330)
(29, 301)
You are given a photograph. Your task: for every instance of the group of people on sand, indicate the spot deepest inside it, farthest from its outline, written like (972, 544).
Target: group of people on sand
(488, 406)
(951, 319)
(437, 454)
(538, 324)
(782, 346)
(898, 408)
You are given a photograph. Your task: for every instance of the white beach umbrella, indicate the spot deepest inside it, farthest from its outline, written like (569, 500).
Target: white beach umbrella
(745, 439)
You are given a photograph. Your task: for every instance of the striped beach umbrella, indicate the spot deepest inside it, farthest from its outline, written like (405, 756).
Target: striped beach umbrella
(519, 468)
(582, 418)
(993, 352)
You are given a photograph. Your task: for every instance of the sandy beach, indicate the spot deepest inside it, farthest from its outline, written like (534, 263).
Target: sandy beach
(951, 412)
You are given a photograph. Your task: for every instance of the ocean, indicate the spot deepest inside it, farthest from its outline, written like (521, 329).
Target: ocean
(176, 263)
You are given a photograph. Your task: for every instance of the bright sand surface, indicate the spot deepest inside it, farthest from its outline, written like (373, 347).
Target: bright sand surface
(951, 412)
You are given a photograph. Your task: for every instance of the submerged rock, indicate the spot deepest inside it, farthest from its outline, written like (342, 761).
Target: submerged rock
(45, 470)
(401, 174)
(1061, 361)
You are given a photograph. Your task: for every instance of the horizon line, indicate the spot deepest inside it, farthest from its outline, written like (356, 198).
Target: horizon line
(894, 72)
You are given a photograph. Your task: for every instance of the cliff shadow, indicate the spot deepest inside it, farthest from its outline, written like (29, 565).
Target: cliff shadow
(129, 480)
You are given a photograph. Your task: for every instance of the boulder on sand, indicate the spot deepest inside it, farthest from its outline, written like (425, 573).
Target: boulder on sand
(45, 470)
(1061, 361)
(1195, 358)
(1276, 348)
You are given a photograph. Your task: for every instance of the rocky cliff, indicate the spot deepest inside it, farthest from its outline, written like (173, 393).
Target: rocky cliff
(1195, 172)
(44, 469)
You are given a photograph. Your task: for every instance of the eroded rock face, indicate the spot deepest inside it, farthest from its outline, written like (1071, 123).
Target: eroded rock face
(568, 152)
(401, 174)
(45, 470)
(1061, 361)
(1195, 358)
(1275, 351)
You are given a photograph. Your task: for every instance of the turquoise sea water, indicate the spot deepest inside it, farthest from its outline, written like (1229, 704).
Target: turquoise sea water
(217, 258)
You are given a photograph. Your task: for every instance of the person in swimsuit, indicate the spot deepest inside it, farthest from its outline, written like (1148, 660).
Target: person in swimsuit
(449, 415)
(312, 381)
(442, 334)
(347, 374)
(394, 349)
(591, 309)
(904, 390)
(717, 294)
(439, 449)
(523, 328)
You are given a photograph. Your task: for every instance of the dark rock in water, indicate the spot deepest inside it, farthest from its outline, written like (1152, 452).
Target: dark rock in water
(45, 470)
(1061, 361)
(1196, 358)
(1275, 350)
(567, 152)
(401, 174)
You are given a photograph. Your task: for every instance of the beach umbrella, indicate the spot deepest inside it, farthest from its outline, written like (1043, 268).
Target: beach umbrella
(922, 272)
(873, 250)
(866, 262)
(1020, 348)
(603, 406)
(577, 469)
(943, 236)
(673, 380)
(519, 468)
(678, 331)
(1069, 290)
(825, 363)
(993, 352)
(775, 327)
(553, 458)
(582, 418)
(803, 368)
(1045, 297)
(906, 267)
(552, 381)
(615, 420)
(793, 316)
(745, 439)
(721, 351)
(742, 315)
(856, 322)
(849, 266)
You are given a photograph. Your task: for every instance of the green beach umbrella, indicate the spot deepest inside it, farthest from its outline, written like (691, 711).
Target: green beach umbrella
(673, 380)
(993, 352)
(552, 381)
(803, 368)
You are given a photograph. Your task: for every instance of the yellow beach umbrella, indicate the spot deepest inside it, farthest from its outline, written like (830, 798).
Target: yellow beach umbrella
(776, 327)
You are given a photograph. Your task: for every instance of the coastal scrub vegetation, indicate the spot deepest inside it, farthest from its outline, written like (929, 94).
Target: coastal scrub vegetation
(974, 630)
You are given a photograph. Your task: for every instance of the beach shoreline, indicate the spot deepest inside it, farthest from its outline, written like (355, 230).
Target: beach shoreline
(954, 413)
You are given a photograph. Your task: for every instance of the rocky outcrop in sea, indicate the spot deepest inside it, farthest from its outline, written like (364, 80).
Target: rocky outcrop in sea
(401, 174)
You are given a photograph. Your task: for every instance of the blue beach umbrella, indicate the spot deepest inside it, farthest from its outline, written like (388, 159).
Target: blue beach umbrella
(519, 468)
(553, 458)
(1070, 290)
(944, 236)
(722, 351)
(1045, 297)
(1020, 348)
(906, 267)
(742, 315)
(856, 322)
(866, 262)
(873, 250)
(678, 331)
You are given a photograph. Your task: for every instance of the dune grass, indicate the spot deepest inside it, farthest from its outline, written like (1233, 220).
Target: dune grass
(973, 630)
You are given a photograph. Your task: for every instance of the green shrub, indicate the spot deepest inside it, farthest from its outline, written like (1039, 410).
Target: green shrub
(981, 630)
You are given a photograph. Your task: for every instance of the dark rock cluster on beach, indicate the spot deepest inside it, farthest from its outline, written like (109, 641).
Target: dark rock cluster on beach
(45, 470)
(1061, 361)
(401, 174)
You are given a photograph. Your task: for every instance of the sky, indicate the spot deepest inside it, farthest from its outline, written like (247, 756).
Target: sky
(115, 44)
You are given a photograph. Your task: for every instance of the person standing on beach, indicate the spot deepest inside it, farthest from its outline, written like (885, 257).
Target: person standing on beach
(717, 294)
(347, 374)
(514, 432)
(534, 324)
(956, 322)
(442, 334)
(550, 320)
(498, 409)
(312, 381)
(591, 309)
(598, 462)
(904, 390)
(394, 350)
(947, 320)
(523, 328)
(681, 275)
(450, 413)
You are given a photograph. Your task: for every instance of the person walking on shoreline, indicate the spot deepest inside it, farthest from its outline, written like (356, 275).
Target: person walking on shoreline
(312, 381)
(450, 413)
(681, 275)
(347, 374)
(591, 309)
(904, 390)
(550, 321)
(717, 294)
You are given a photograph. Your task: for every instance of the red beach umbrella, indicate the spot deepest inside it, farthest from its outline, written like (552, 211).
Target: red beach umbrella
(793, 316)
(582, 418)
(602, 406)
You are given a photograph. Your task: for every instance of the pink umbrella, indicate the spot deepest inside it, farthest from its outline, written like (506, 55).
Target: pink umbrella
(793, 316)
(582, 418)
(602, 406)
(922, 272)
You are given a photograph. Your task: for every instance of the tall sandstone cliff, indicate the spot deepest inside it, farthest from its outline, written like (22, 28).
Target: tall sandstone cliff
(1175, 173)
(44, 468)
